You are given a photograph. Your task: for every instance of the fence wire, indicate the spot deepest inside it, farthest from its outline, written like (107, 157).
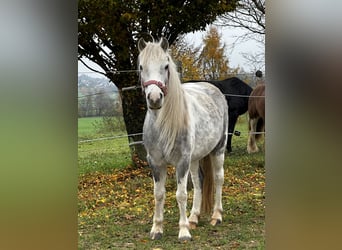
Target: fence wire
(236, 133)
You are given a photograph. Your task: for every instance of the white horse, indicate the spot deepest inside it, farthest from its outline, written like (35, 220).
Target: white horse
(184, 124)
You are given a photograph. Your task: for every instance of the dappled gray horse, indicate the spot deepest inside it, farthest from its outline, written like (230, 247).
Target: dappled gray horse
(184, 124)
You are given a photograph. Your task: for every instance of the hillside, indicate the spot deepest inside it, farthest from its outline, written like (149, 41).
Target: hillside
(90, 85)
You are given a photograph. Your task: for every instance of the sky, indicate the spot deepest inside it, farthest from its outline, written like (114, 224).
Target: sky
(229, 35)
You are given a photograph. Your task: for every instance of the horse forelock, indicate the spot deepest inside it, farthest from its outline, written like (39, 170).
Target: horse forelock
(173, 117)
(151, 52)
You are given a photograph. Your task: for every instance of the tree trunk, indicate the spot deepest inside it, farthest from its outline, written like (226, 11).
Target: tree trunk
(134, 111)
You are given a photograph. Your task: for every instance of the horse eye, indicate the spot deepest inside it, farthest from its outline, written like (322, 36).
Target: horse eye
(140, 68)
(166, 67)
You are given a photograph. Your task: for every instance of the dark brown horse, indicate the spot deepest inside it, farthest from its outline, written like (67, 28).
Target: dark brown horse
(256, 112)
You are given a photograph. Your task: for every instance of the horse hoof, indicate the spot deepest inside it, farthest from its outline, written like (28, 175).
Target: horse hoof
(185, 239)
(192, 225)
(215, 222)
(156, 236)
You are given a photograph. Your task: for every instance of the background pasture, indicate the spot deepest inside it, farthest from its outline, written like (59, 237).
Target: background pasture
(115, 199)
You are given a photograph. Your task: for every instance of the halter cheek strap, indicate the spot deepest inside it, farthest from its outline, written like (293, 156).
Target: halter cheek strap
(158, 83)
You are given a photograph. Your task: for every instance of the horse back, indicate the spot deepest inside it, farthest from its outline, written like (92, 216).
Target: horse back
(208, 112)
(231, 87)
(205, 92)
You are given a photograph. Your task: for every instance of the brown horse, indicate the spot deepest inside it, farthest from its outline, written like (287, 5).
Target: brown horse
(256, 112)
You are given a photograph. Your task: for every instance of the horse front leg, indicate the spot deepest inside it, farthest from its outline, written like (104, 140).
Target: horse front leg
(182, 172)
(159, 178)
(231, 125)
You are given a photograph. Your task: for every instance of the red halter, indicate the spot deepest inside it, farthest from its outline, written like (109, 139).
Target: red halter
(158, 83)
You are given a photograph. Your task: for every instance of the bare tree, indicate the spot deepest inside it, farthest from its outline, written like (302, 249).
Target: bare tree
(250, 16)
(255, 61)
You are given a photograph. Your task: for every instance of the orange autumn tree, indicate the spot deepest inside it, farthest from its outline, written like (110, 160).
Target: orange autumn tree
(212, 60)
(186, 58)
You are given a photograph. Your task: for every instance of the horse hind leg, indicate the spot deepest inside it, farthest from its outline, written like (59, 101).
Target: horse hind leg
(217, 161)
(197, 197)
(251, 143)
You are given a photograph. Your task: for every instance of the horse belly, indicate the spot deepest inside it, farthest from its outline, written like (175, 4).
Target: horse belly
(209, 118)
(206, 141)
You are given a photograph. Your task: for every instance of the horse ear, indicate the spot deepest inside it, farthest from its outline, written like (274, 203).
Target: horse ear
(164, 43)
(141, 44)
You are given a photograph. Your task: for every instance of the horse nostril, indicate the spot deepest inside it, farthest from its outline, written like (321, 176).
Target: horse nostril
(161, 96)
(148, 96)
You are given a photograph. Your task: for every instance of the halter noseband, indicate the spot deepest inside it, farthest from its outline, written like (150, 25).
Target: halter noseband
(158, 83)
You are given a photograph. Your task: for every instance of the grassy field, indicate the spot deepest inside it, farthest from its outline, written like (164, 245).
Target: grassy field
(86, 128)
(102, 155)
(115, 200)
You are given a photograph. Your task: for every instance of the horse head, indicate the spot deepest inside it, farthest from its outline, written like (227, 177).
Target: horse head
(154, 71)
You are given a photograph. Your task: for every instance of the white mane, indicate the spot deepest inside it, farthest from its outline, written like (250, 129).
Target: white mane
(173, 116)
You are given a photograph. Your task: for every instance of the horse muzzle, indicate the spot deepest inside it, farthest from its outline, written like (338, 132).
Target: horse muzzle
(155, 98)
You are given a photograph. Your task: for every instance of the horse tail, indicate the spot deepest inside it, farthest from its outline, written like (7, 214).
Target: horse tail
(260, 127)
(208, 184)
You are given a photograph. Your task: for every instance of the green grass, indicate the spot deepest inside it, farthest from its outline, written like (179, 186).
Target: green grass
(102, 155)
(86, 128)
(116, 202)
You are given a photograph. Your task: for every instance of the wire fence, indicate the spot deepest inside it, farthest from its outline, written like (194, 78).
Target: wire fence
(235, 133)
(134, 87)
(124, 145)
(109, 138)
(139, 87)
(242, 75)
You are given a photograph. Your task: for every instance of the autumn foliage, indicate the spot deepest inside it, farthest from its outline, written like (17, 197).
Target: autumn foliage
(207, 61)
(115, 207)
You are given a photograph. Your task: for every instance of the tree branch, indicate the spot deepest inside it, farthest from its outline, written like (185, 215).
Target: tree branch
(260, 6)
(92, 69)
(250, 15)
